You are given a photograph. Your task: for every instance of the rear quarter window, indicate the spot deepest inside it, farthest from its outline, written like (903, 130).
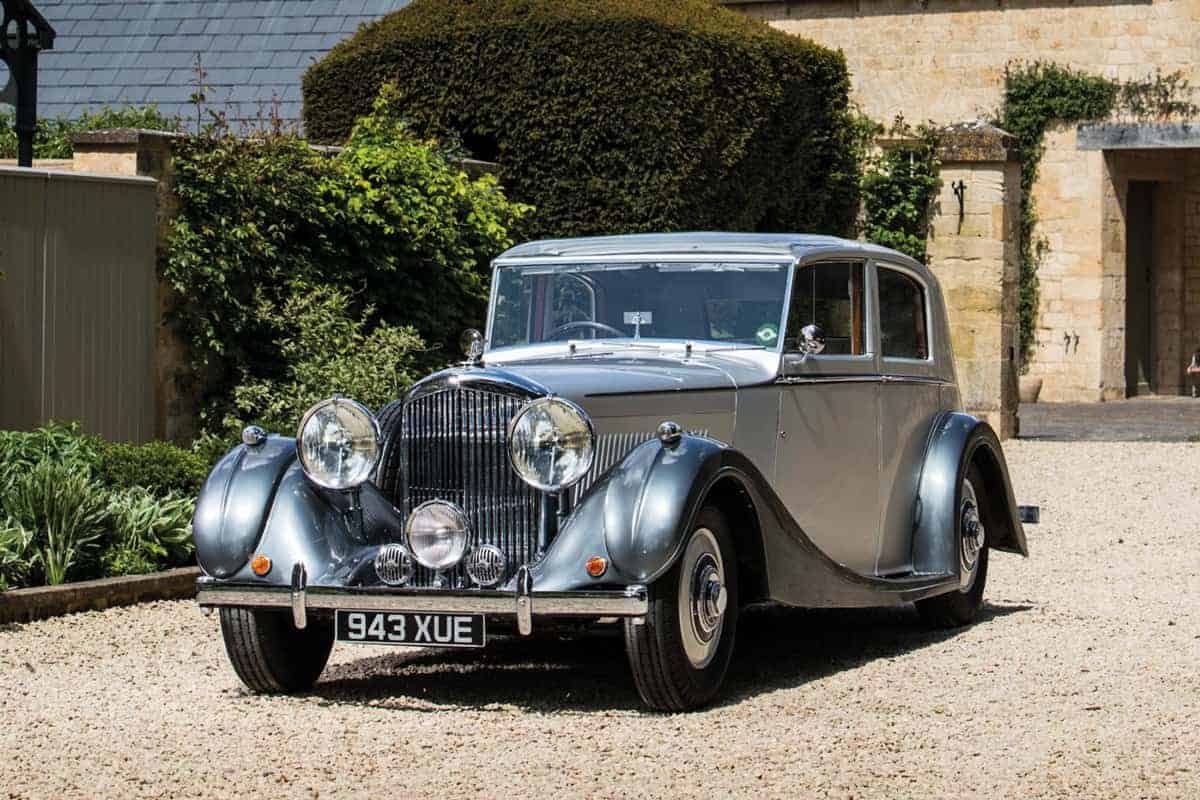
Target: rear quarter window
(903, 323)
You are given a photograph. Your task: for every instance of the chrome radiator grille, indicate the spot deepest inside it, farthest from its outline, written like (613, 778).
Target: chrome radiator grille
(455, 447)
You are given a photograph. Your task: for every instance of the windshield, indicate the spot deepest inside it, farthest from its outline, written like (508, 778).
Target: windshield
(725, 302)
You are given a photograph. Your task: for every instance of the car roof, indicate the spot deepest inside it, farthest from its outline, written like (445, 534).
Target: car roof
(786, 245)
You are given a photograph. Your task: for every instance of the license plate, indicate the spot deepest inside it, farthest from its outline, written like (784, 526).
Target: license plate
(415, 630)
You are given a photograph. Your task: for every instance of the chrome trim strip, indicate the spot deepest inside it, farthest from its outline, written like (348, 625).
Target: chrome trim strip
(653, 257)
(630, 602)
(864, 379)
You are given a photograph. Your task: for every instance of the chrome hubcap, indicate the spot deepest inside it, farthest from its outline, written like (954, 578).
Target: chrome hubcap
(972, 535)
(702, 598)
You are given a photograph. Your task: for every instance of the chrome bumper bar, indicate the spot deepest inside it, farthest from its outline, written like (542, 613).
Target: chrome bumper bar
(524, 604)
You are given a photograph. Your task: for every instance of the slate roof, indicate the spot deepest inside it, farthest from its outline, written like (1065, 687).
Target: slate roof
(139, 52)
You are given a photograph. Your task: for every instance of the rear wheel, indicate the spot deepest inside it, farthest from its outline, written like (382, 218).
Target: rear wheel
(960, 607)
(679, 655)
(270, 654)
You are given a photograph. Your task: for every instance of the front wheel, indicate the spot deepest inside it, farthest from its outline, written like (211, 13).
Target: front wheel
(680, 653)
(270, 654)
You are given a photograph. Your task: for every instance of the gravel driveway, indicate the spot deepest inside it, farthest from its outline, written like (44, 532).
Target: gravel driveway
(1079, 681)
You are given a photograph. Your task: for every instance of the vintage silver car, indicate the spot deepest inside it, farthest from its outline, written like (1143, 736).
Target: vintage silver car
(655, 432)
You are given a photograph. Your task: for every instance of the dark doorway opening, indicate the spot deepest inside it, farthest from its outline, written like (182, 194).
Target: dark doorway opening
(1140, 290)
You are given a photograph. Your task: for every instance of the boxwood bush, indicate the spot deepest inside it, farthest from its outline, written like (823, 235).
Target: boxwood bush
(613, 116)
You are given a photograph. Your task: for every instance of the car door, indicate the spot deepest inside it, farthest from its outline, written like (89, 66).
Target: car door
(827, 452)
(910, 398)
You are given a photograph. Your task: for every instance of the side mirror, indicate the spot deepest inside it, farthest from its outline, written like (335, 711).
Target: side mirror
(812, 340)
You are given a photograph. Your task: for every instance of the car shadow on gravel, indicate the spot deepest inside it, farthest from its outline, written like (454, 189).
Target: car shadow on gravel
(778, 648)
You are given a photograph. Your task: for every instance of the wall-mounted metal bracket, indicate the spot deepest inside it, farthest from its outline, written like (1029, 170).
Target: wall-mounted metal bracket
(960, 192)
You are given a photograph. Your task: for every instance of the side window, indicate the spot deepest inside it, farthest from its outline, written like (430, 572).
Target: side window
(831, 296)
(902, 323)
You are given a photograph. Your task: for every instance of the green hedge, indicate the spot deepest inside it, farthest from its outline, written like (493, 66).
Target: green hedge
(614, 116)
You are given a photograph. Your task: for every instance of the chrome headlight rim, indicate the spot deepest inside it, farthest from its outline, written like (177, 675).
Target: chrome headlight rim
(591, 432)
(465, 529)
(356, 407)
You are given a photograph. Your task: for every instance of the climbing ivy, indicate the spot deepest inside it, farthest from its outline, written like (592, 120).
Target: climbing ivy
(899, 184)
(1039, 94)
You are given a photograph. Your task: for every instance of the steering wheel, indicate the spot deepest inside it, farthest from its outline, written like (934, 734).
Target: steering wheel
(585, 323)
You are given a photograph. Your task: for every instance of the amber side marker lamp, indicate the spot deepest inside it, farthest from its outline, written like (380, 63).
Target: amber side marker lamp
(261, 565)
(596, 566)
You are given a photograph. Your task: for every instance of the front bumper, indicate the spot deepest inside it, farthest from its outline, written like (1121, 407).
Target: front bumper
(523, 604)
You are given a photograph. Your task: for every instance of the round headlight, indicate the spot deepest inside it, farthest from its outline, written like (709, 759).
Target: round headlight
(551, 443)
(437, 534)
(338, 443)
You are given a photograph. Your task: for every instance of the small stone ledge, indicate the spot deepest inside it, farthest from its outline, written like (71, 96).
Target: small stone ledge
(123, 137)
(964, 142)
(976, 141)
(1137, 136)
(26, 605)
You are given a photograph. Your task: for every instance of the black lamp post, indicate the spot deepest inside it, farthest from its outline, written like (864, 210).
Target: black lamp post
(23, 34)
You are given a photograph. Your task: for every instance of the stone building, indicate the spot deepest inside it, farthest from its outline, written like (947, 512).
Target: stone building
(1118, 202)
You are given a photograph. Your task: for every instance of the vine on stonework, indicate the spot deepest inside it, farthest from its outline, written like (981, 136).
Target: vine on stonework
(1039, 94)
(899, 184)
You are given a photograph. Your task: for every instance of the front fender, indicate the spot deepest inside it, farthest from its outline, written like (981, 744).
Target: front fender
(636, 516)
(956, 442)
(231, 512)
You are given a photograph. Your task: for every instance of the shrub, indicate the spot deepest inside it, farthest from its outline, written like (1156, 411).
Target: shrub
(62, 443)
(390, 222)
(53, 136)
(160, 467)
(149, 532)
(65, 510)
(613, 115)
(325, 351)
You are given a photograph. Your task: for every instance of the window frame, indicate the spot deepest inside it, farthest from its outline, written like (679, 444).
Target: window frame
(923, 367)
(851, 367)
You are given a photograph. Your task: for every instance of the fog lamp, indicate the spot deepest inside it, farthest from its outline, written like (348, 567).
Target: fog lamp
(437, 534)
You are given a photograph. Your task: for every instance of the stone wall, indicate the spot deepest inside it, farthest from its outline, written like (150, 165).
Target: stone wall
(944, 60)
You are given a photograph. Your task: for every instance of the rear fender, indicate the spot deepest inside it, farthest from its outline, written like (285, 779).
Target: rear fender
(956, 442)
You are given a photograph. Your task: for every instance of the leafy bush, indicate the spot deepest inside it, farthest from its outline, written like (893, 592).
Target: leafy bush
(149, 532)
(327, 351)
(390, 223)
(613, 116)
(53, 136)
(159, 467)
(65, 510)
